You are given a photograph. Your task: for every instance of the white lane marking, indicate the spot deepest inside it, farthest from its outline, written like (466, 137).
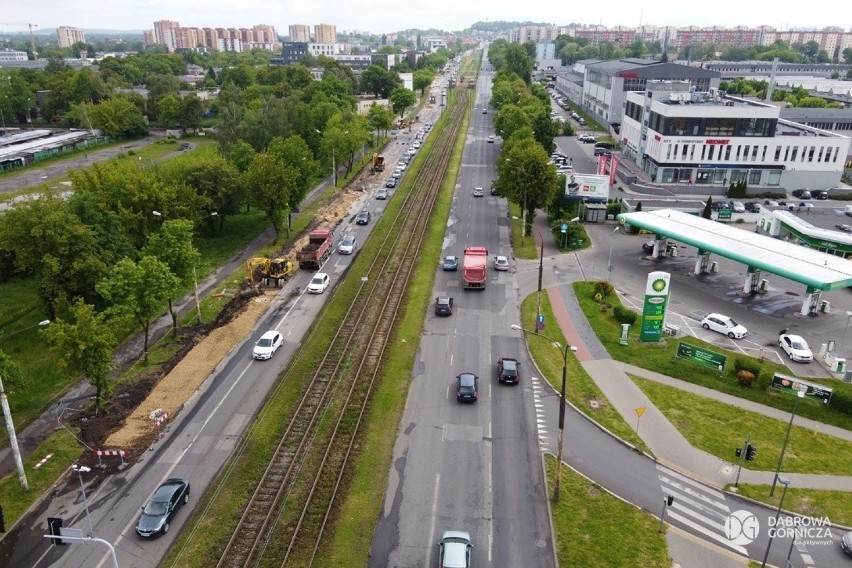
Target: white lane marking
(709, 534)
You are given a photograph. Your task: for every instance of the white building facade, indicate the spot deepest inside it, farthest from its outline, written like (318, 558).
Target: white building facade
(681, 136)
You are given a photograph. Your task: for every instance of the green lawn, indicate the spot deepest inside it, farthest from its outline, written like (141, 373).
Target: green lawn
(594, 528)
(719, 428)
(835, 505)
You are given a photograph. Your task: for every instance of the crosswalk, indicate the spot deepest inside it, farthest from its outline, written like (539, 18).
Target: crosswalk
(545, 443)
(698, 507)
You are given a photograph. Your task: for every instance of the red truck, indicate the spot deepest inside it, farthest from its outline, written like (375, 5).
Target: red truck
(475, 267)
(313, 254)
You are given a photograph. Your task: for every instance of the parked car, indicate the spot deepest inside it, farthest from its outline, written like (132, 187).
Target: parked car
(160, 509)
(648, 246)
(382, 194)
(454, 550)
(478, 192)
(601, 152)
(508, 370)
(802, 193)
(363, 218)
(738, 206)
(318, 283)
(796, 348)
(467, 387)
(586, 139)
(347, 245)
(450, 263)
(443, 306)
(267, 345)
(391, 183)
(845, 543)
(724, 325)
(501, 262)
(752, 206)
(821, 194)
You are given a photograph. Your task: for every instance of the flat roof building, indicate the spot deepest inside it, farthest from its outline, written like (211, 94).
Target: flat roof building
(679, 135)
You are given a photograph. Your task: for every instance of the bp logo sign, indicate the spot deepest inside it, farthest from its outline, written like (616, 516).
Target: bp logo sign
(659, 285)
(741, 527)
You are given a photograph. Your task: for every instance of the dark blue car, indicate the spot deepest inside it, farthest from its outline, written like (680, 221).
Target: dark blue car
(450, 263)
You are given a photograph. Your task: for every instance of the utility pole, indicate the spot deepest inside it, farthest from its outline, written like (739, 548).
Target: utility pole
(13, 439)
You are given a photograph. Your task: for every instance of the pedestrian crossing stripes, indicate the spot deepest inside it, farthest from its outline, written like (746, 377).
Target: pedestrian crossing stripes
(544, 440)
(698, 507)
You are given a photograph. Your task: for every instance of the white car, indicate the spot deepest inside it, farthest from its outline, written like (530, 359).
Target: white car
(267, 345)
(347, 245)
(454, 549)
(318, 283)
(416, 144)
(724, 325)
(501, 262)
(478, 192)
(401, 166)
(412, 151)
(796, 348)
(738, 206)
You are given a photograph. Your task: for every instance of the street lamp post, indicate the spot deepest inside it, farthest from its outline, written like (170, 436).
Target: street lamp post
(785, 482)
(558, 480)
(10, 425)
(801, 395)
(81, 469)
(609, 262)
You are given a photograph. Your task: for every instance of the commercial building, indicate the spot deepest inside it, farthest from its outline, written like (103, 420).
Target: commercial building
(300, 33)
(68, 36)
(325, 33)
(606, 83)
(677, 134)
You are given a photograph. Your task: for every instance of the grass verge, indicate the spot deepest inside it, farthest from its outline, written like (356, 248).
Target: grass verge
(661, 358)
(720, 428)
(594, 528)
(580, 389)
(810, 502)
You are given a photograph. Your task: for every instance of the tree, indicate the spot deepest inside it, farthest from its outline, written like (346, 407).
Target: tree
(191, 112)
(294, 154)
(525, 175)
(139, 291)
(169, 110)
(117, 117)
(402, 98)
(86, 341)
(422, 79)
(708, 208)
(379, 81)
(380, 119)
(269, 182)
(172, 245)
(11, 373)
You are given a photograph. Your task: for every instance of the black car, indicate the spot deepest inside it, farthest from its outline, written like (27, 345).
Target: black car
(161, 507)
(467, 387)
(752, 206)
(820, 194)
(508, 370)
(802, 193)
(443, 306)
(363, 218)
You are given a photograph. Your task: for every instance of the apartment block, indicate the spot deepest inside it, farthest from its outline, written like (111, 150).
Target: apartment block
(69, 36)
(325, 33)
(300, 33)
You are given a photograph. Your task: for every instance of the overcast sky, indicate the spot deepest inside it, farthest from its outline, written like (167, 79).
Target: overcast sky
(381, 16)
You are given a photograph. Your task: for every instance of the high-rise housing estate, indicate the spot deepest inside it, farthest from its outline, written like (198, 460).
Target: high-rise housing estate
(300, 33)
(325, 33)
(69, 36)
(165, 33)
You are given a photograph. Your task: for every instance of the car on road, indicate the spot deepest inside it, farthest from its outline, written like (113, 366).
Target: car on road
(796, 348)
(724, 325)
(501, 262)
(401, 165)
(508, 370)
(160, 509)
(382, 194)
(443, 306)
(454, 550)
(391, 183)
(467, 387)
(318, 283)
(478, 192)
(491, 139)
(586, 139)
(416, 144)
(450, 263)
(485, 111)
(412, 151)
(347, 245)
(363, 218)
(265, 347)
(397, 173)
(846, 543)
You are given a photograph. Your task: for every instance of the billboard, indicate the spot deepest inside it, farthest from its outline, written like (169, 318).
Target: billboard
(590, 188)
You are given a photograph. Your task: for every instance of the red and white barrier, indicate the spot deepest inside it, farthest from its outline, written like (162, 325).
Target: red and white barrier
(110, 453)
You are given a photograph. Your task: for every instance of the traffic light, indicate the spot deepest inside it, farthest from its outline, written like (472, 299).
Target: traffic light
(669, 500)
(55, 524)
(751, 452)
(738, 452)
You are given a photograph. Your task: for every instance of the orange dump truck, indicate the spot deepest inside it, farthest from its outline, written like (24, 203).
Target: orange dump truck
(475, 267)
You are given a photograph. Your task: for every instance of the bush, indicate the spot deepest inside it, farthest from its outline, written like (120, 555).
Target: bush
(749, 365)
(624, 315)
(746, 378)
(604, 288)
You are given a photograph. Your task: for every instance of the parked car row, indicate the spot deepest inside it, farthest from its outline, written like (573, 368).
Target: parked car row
(794, 346)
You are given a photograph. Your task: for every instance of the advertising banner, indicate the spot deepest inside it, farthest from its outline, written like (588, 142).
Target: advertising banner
(612, 169)
(701, 356)
(654, 307)
(590, 188)
(794, 385)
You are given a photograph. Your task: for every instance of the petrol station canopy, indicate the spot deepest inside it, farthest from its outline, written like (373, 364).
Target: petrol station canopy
(818, 270)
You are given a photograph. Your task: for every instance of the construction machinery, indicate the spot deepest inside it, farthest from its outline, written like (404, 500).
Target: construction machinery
(378, 162)
(270, 272)
(32, 37)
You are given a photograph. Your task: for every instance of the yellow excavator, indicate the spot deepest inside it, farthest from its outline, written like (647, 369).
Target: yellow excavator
(271, 272)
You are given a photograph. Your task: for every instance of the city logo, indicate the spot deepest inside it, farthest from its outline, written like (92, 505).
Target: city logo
(742, 527)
